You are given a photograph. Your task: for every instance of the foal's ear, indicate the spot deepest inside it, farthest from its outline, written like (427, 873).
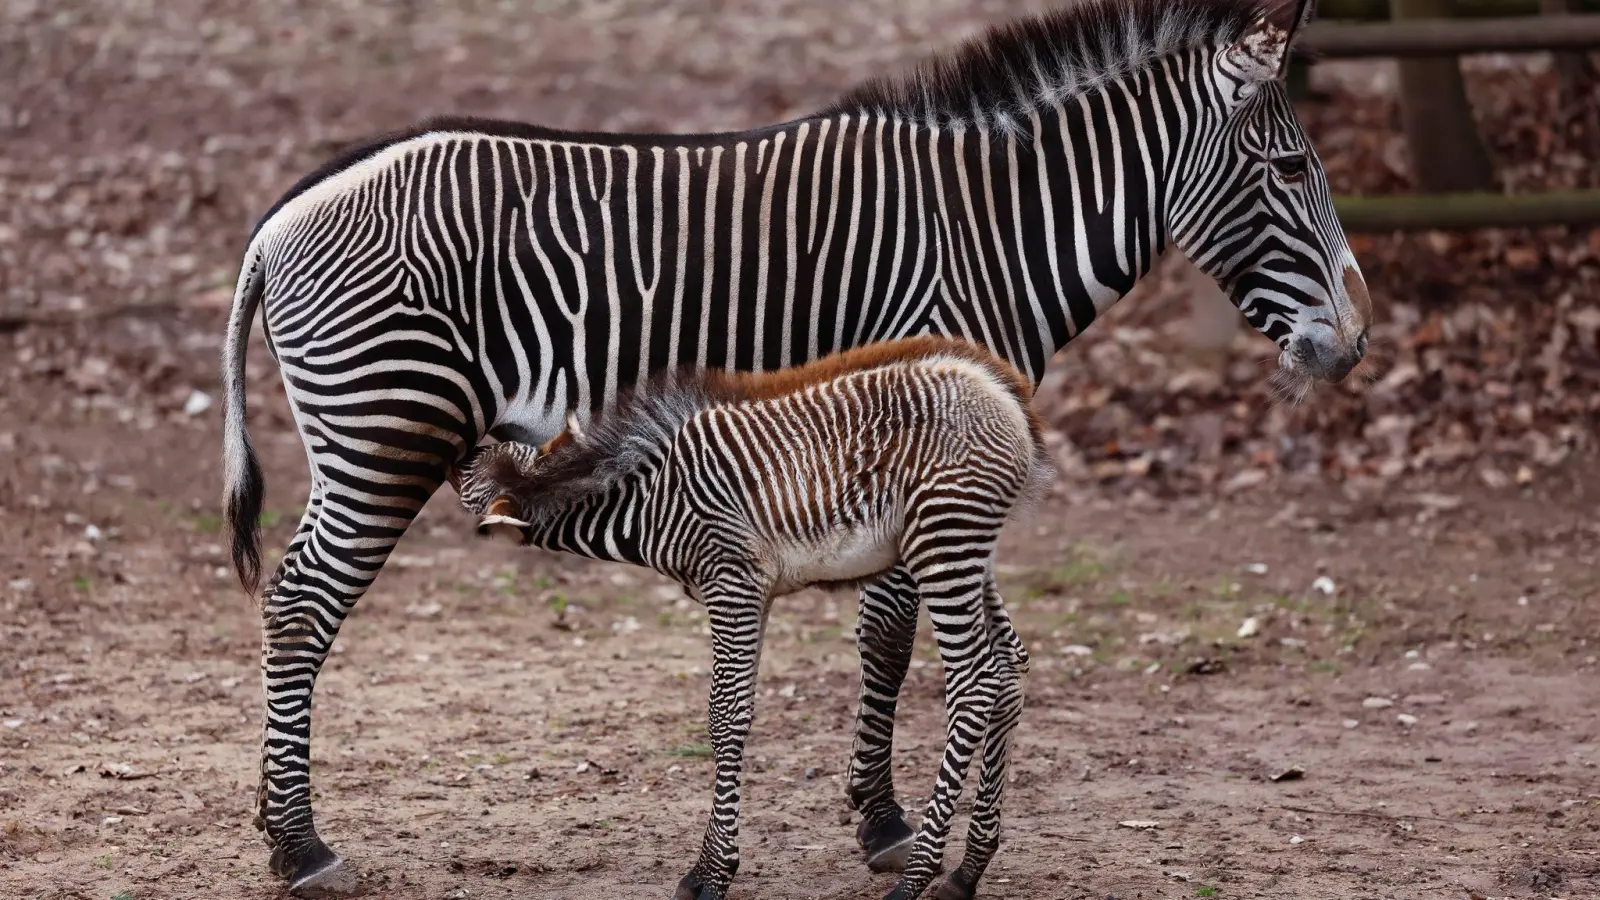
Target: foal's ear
(497, 521)
(1261, 54)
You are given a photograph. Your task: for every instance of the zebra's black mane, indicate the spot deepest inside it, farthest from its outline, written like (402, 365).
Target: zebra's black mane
(1013, 68)
(994, 79)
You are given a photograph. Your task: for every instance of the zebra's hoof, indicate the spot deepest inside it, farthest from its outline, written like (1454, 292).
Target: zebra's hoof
(316, 871)
(960, 885)
(886, 843)
(903, 891)
(691, 887)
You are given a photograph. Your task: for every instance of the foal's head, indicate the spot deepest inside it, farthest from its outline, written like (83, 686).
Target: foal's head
(496, 483)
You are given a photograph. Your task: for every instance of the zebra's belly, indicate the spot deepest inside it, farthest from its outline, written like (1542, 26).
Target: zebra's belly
(847, 556)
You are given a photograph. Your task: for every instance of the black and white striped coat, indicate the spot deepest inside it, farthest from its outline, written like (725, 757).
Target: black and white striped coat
(468, 279)
(911, 453)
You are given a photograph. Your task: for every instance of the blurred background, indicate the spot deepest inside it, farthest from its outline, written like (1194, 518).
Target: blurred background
(1426, 541)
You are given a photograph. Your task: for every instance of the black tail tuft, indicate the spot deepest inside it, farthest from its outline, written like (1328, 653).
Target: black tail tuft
(244, 518)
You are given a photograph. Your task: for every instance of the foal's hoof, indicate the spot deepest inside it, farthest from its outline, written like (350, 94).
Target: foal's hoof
(886, 843)
(690, 887)
(316, 871)
(959, 886)
(902, 892)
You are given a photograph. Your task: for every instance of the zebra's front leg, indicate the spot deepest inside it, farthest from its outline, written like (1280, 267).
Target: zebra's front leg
(983, 833)
(950, 580)
(342, 544)
(737, 618)
(885, 633)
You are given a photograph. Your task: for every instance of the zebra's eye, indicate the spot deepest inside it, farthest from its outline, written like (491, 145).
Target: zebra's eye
(1291, 166)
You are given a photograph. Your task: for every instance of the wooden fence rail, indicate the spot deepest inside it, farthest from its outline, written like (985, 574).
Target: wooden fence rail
(1457, 212)
(1447, 37)
(1378, 10)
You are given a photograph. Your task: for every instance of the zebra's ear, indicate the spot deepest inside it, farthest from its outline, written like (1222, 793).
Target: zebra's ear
(1261, 54)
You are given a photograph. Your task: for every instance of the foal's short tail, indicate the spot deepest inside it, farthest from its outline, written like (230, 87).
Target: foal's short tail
(245, 484)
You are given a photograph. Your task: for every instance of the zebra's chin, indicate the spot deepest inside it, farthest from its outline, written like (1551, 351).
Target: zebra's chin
(1291, 383)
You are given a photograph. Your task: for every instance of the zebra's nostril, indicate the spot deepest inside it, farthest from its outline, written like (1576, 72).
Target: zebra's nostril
(1305, 350)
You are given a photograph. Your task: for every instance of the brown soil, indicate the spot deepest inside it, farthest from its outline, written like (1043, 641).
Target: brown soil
(472, 736)
(501, 723)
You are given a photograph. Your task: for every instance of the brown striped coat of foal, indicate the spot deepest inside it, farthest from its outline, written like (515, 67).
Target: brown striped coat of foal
(745, 487)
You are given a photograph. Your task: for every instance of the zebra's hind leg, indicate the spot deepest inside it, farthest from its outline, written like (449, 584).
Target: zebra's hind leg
(885, 633)
(342, 544)
(951, 569)
(737, 617)
(983, 833)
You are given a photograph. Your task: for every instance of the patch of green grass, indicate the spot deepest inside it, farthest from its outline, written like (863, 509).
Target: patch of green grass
(602, 823)
(1078, 572)
(270, 518)
(501, 759)
(122, 895)
(698, 750)
(1118, 598)
(206, 523)
(82, 583)
(558, 603)
(102, 862)
(1206, 890)
(505, 582)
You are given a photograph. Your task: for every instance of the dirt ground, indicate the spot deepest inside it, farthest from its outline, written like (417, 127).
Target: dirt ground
(1418, 655)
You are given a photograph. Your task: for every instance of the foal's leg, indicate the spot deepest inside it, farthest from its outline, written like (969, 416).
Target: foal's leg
(738, 615)
(885, 633)
(951, 568)
(983, 833)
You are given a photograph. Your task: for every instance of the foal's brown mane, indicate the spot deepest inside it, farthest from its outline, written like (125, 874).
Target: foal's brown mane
(720, 386)
(613, 445)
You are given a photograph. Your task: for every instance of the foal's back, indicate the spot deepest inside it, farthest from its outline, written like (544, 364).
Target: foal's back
(824, 476)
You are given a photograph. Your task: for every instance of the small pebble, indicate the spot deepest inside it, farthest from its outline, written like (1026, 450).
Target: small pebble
(1377, 703)
(198, 402)
(1406, 719)
(1351, 723)
(1297, 839)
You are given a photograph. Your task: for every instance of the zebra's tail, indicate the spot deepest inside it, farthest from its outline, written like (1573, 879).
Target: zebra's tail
(245, 484)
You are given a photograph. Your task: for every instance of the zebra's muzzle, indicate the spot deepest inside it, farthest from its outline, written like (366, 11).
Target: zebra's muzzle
(1326, 362)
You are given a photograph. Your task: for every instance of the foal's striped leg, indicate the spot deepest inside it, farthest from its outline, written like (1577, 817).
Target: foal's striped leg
(737, 614)
(948, 550)
(983, 833)
(885, 634)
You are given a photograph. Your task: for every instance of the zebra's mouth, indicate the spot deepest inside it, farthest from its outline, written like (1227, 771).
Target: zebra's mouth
(1291, 383)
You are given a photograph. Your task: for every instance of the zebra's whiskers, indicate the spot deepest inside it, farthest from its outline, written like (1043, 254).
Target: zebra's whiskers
(1290, 386)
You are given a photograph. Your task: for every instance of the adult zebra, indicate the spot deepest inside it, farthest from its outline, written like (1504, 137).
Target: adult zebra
(472, 278)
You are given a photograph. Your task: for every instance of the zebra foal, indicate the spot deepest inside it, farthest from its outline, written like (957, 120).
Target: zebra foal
(747, 487)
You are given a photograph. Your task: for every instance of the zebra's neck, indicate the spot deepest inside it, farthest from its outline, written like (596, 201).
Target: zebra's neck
(606, 524)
